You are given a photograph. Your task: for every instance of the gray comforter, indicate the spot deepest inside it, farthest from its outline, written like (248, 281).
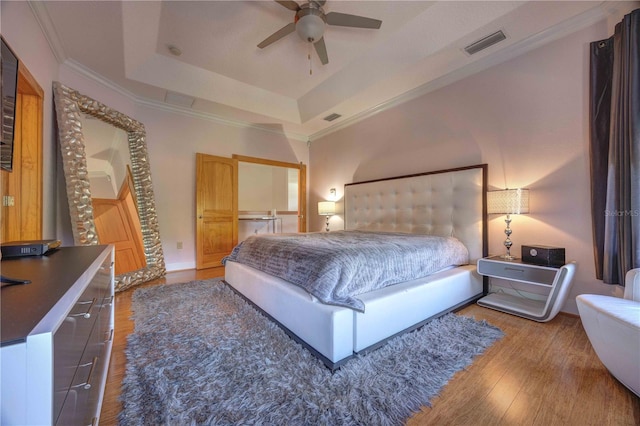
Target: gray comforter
(337, 266)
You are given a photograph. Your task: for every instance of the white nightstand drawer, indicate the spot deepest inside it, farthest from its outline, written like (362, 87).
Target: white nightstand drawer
(517, 271)
(558, 280)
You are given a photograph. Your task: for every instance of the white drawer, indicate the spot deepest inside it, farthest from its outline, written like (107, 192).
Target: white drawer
(72, 339)
(74, 319)
(69, 342)
(517, 271)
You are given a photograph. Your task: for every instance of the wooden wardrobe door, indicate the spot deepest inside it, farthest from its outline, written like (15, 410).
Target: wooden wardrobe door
(216, 209)
(21, 215)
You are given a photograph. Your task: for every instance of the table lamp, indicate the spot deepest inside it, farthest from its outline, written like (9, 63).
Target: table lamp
(508, 201)
(327, 209)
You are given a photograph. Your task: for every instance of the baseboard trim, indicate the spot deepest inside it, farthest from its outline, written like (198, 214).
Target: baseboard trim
(172, 267)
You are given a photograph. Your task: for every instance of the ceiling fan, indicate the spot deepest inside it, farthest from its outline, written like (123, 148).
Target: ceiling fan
(310, 21)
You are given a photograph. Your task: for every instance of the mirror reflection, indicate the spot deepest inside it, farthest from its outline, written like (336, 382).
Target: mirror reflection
(115, 209)
(264, 187)
(267, 199)
(122, 186)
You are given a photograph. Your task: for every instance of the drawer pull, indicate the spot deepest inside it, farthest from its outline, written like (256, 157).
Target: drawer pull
(514, 269)
(87, 314)
(107, 302)
(87, 385)
(107, 265)
(109, 335)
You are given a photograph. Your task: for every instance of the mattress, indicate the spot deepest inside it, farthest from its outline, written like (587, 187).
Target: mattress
(336, 267)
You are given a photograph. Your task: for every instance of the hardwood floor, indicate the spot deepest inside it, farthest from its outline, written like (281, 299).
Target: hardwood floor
(538, 374)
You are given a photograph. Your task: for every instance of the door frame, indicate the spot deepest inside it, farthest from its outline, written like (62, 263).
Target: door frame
(302, 183)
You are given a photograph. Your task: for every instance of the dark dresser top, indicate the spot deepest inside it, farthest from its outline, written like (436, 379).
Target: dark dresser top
(24, 305)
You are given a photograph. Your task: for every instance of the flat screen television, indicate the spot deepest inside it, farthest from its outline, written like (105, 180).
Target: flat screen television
(8, 92)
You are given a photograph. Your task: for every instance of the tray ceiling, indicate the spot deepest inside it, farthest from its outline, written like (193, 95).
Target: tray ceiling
(221, 73)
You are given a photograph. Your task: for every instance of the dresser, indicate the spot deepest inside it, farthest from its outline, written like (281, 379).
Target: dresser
(57, 334)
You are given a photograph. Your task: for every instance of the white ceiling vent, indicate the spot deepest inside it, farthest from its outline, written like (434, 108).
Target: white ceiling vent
(482, 44)
(332, 117)
(179, 99)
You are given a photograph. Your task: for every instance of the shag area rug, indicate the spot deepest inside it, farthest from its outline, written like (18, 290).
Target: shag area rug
(200, 354)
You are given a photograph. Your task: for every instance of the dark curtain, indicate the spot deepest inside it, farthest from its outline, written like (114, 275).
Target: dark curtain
(615, 150)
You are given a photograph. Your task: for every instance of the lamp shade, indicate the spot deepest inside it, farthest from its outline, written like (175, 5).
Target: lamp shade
(508, 201)
(326, 208)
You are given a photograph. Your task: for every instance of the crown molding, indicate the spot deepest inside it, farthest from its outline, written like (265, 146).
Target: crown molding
(162, 106)
(90, 74)
(41, 14)
(571, 25)
(217, 119)
(512, 51)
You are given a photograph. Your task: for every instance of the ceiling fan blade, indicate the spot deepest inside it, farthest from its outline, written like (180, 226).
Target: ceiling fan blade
(345, 20)
(321, 49)
(284, 31)
(291, 5)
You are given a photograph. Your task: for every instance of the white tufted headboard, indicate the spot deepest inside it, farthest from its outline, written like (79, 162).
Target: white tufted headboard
(444, 203)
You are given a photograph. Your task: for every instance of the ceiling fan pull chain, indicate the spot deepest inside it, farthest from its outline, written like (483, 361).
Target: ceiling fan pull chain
(309, 57)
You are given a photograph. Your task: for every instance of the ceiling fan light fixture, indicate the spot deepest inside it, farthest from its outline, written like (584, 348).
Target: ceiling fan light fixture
(310, 22)
(310, 28)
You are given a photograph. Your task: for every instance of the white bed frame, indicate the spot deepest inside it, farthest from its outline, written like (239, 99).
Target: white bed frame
(446, 203)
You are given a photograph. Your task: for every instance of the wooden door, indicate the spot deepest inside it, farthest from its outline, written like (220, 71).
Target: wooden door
(216, 209)
(117, 222)
(114, 226)
(22, 188)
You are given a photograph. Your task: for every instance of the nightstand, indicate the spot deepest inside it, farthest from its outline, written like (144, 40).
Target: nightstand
(558, 280)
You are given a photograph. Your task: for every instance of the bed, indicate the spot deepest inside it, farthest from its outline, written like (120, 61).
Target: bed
(446, 203)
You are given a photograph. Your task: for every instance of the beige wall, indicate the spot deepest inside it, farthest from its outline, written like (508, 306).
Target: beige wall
(526, 118)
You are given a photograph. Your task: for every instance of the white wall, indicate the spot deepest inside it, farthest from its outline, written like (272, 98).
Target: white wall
(255, 187)
(527, 118)
(263, 188)
(173, 140)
